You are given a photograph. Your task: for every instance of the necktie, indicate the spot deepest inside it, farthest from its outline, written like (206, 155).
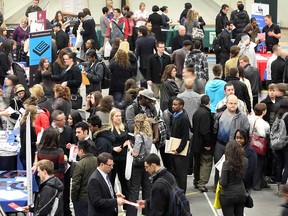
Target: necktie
(110, 186)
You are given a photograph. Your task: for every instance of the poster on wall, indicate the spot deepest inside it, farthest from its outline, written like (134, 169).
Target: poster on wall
(37, 21)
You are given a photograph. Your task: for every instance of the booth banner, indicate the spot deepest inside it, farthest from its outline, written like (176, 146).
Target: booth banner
(259, 11)
(40, 46)
(28, 161)
(37, 21)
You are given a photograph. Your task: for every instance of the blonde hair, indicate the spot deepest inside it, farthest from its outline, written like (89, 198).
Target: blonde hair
(142, 125)
(30, 109)
(188, 83)
(124, 45)
(37, 91)
(111, 115)
(24, 20)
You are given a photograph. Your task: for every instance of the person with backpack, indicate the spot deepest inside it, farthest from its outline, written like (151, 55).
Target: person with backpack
(94, 73)
(240, 19)
(279, 141)
(163, 182)
(50, 192)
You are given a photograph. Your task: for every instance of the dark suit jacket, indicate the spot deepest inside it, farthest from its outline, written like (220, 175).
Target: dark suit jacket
(155, 69)
(62, 39)
(100, 202)
(177, 41)
(145, 46)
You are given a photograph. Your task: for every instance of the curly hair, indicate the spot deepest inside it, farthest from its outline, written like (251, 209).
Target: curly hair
(62, 92)
(167, 72)
(106, 104)
(234, 155)
(142, 125)
(122, 59)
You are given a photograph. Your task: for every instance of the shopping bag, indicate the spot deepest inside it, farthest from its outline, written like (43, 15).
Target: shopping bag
(128, 168)
(217, 204)
(107, 49)
(79, 41)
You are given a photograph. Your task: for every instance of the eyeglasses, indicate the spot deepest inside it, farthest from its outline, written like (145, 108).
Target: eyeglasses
(110, 165)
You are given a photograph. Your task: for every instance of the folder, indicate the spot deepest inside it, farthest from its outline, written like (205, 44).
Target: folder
(173, 144)
(85, 79)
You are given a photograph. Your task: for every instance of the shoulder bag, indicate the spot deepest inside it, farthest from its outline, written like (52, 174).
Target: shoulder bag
(259, 144)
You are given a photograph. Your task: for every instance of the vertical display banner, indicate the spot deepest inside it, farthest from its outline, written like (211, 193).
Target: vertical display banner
(258, 12)
(37, 21)
(28, 161)
(40, 46)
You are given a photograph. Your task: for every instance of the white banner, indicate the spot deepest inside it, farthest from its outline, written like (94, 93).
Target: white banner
(28, 161)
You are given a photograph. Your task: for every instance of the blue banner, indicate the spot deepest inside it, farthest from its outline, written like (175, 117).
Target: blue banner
(40, 46)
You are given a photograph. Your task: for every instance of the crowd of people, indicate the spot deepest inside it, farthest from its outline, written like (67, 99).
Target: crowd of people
(176, 100)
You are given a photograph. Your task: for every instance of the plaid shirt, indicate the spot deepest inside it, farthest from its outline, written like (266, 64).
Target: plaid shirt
(201, 64)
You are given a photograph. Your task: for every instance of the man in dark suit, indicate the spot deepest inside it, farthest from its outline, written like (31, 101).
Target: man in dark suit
(177, 41)
(145, 46)
(102, 199)
(61, 38)
(202, 147)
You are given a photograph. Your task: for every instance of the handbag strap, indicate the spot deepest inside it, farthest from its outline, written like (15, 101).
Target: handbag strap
(118, 27)
(254, 129)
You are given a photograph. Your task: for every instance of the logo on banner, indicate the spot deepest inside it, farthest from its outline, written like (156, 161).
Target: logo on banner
(41, 48)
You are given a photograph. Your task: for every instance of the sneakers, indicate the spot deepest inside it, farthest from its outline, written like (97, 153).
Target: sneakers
(203, 189)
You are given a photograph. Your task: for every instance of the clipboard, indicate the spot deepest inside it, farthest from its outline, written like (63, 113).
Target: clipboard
(85, 79)
(173, 144)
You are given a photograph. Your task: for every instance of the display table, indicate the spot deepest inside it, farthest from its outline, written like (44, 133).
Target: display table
(262, 63)
(12, 188)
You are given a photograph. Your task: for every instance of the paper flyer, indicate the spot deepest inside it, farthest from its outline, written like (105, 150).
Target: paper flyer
(219, 164)
(131, 203)
(73, 153)
(15, 206)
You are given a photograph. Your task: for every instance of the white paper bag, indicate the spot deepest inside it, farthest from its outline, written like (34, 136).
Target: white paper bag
(128, 168)
(107, 49)
(79, 41)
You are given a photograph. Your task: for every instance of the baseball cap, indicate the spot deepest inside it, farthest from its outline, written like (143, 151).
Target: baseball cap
(57, 24)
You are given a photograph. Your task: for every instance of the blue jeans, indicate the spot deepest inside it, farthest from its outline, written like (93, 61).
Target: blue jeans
(117, 97)
(80, 208)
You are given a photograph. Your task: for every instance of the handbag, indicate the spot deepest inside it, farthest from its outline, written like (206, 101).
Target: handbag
(217, 204)
(139, 160)
(197, 33)
(248, 200)
(259, 144)
(76, 100)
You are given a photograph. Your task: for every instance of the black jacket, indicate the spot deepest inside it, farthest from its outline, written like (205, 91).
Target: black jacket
(45, 198)
(272, 109)
(95, 74)
(158, 202)
(240, 19)
(33, 137)
(62, 39)
(177, 41)
(202, 133)
(225, 42)
(285, 209)
(100, 201)
(252, 74)
(104, 140)
(73, 77)
(156, 20)
(4, 65)
(89, 31)
(120, 139)
(45, 103)
(119, 76)
(155, 69)
(241, 91)
(169, 89)
(145, 47)
(277, 69)
(180, 129)
(251, 155)
(221, 20)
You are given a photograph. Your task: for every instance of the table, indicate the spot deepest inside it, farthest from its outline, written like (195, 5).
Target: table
(262, 63)
(12, 188)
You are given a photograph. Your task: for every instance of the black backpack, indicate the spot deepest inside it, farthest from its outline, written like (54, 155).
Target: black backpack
(106, 76)
(178, 203)
(216, 46)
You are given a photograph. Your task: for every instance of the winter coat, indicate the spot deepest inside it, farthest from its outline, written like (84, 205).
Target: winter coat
(215, 90)
(155, 68)
(95, 74)
(104, 139)
(169, 89)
